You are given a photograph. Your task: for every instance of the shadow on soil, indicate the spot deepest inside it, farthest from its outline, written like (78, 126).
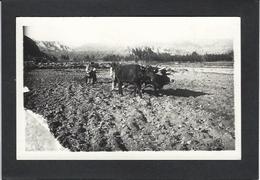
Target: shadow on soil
(177, 92)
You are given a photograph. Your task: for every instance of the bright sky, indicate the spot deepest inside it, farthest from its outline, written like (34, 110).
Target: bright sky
(130, 30)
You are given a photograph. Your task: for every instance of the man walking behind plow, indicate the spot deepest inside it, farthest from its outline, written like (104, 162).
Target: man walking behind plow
(91, 76)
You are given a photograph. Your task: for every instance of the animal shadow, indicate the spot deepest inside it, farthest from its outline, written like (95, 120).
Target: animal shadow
(177, 92)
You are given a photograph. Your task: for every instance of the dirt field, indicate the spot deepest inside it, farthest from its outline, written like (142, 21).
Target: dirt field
(195, 112)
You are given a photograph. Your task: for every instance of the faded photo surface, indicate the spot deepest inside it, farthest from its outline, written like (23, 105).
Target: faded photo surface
(128, 88)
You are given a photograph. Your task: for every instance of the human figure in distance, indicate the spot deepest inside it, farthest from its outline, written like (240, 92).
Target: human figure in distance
(91, 76)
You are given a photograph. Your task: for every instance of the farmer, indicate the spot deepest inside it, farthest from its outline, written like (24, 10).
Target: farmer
(91, 73)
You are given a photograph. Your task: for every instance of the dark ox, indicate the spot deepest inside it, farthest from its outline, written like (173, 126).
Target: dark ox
(138, 75)
(129, 73)
(156, 80)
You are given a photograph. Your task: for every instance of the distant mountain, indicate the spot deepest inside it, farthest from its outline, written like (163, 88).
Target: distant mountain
(102, 49)
(206, 47)
(30, 48)
(53, 47)
(175, 48)
(33, 53)
(46, 51)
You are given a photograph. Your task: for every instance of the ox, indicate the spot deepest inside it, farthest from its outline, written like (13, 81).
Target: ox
(128, 73)
(157, 80)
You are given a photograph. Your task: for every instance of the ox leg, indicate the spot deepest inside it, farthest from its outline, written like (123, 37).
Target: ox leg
(135, 89)
(155, 91)
(139, 87)
(120, 88)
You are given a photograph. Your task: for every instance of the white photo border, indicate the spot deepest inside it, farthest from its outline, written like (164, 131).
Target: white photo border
(21, 154)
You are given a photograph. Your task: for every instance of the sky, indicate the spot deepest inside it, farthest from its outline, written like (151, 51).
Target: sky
(129, 31)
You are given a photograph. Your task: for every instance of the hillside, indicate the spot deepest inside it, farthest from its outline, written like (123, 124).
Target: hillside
(174, 51)
(33, 53)
(30, 48)
(53, 47)
(174, 48)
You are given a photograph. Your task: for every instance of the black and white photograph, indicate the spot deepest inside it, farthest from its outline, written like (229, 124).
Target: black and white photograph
(128, 88)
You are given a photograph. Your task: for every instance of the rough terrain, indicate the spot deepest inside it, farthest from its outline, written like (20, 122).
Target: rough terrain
(195, 112)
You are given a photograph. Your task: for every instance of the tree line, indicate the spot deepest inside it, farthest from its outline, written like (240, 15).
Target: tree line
(147, 54)
(136, 54)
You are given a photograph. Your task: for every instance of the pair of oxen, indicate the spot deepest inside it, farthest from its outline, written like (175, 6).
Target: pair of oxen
(138, 75)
